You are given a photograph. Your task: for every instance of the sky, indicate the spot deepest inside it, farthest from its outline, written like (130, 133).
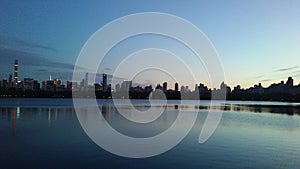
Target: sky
(257, 41)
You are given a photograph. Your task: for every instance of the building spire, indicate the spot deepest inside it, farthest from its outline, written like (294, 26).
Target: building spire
(16, 72)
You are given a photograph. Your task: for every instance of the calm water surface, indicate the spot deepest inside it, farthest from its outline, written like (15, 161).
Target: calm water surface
(45, 133)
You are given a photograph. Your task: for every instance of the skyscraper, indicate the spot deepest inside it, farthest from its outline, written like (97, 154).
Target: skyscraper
(86, 80)
(165, 86)
(126, 85)
(290, 82)
(118, 87)
(16, 73)
(104, 79)
(176, 87)
(10, 79)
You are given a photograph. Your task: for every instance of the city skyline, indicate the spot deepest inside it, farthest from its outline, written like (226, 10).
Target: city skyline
(256, 41)
(104, 85)
(150, 84)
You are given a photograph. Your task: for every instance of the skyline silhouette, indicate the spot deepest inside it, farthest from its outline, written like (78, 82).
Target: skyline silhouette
(12, 80)
(257, 41)
(29, 87)
(150, 84)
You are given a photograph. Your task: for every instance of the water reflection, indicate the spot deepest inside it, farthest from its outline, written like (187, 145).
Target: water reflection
(18, 112)
(106, 110)
(14, 114)
(50, 135)
(14, 120)
(121, 124)
(51, 114)
(286, 109)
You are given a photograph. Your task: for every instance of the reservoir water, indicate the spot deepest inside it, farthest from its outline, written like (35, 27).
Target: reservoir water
(45, 133)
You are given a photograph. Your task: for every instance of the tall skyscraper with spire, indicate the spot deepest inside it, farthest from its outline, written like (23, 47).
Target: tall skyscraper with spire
(16, 72)
(104, 80)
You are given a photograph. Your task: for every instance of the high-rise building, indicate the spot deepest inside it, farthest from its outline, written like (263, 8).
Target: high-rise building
(165, 86)
(28, 84)
(126, 85)
(50, 86)
(176, 87)
(202, 88)
(158, 87)
(16, 73)
(72, 85)
(196, 88)
(118, 87)
(290, 82)
(104, 80)
(10, 79)
(86, 80)
(182, 89)
(148, 88)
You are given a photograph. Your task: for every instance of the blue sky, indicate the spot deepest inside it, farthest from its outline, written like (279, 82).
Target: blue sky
(257, 41)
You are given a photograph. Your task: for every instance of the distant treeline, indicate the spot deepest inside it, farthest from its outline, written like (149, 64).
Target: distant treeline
(174, 95)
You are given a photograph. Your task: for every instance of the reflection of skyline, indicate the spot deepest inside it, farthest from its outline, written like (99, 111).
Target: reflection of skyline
(14, 120)
(119, 122)
(50, 113)
(14, 114)
(106, 110)
(289, 110)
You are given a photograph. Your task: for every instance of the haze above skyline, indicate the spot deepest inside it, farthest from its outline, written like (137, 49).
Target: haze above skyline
(257, 41)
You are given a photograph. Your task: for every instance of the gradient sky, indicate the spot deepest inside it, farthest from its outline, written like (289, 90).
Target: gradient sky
(257, 41)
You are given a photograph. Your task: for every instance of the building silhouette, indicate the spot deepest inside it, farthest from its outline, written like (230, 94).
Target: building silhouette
(104, 81)
(16, 73)
(158, 87)
(11, 87)
(290, 82)
(126, 85)
(30, 84)
(118, 87)
(10, 80)
(86, 80)
(165, 86)
(176, 87)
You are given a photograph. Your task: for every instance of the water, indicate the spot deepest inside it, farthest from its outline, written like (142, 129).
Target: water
(45, 133)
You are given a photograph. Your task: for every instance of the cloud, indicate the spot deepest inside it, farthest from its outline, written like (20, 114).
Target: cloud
(15, 42)
(107, 69)
(287, 69)
(257, 77)
(34, 45)
(265, 80)
(40, 67)
(8, 55)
